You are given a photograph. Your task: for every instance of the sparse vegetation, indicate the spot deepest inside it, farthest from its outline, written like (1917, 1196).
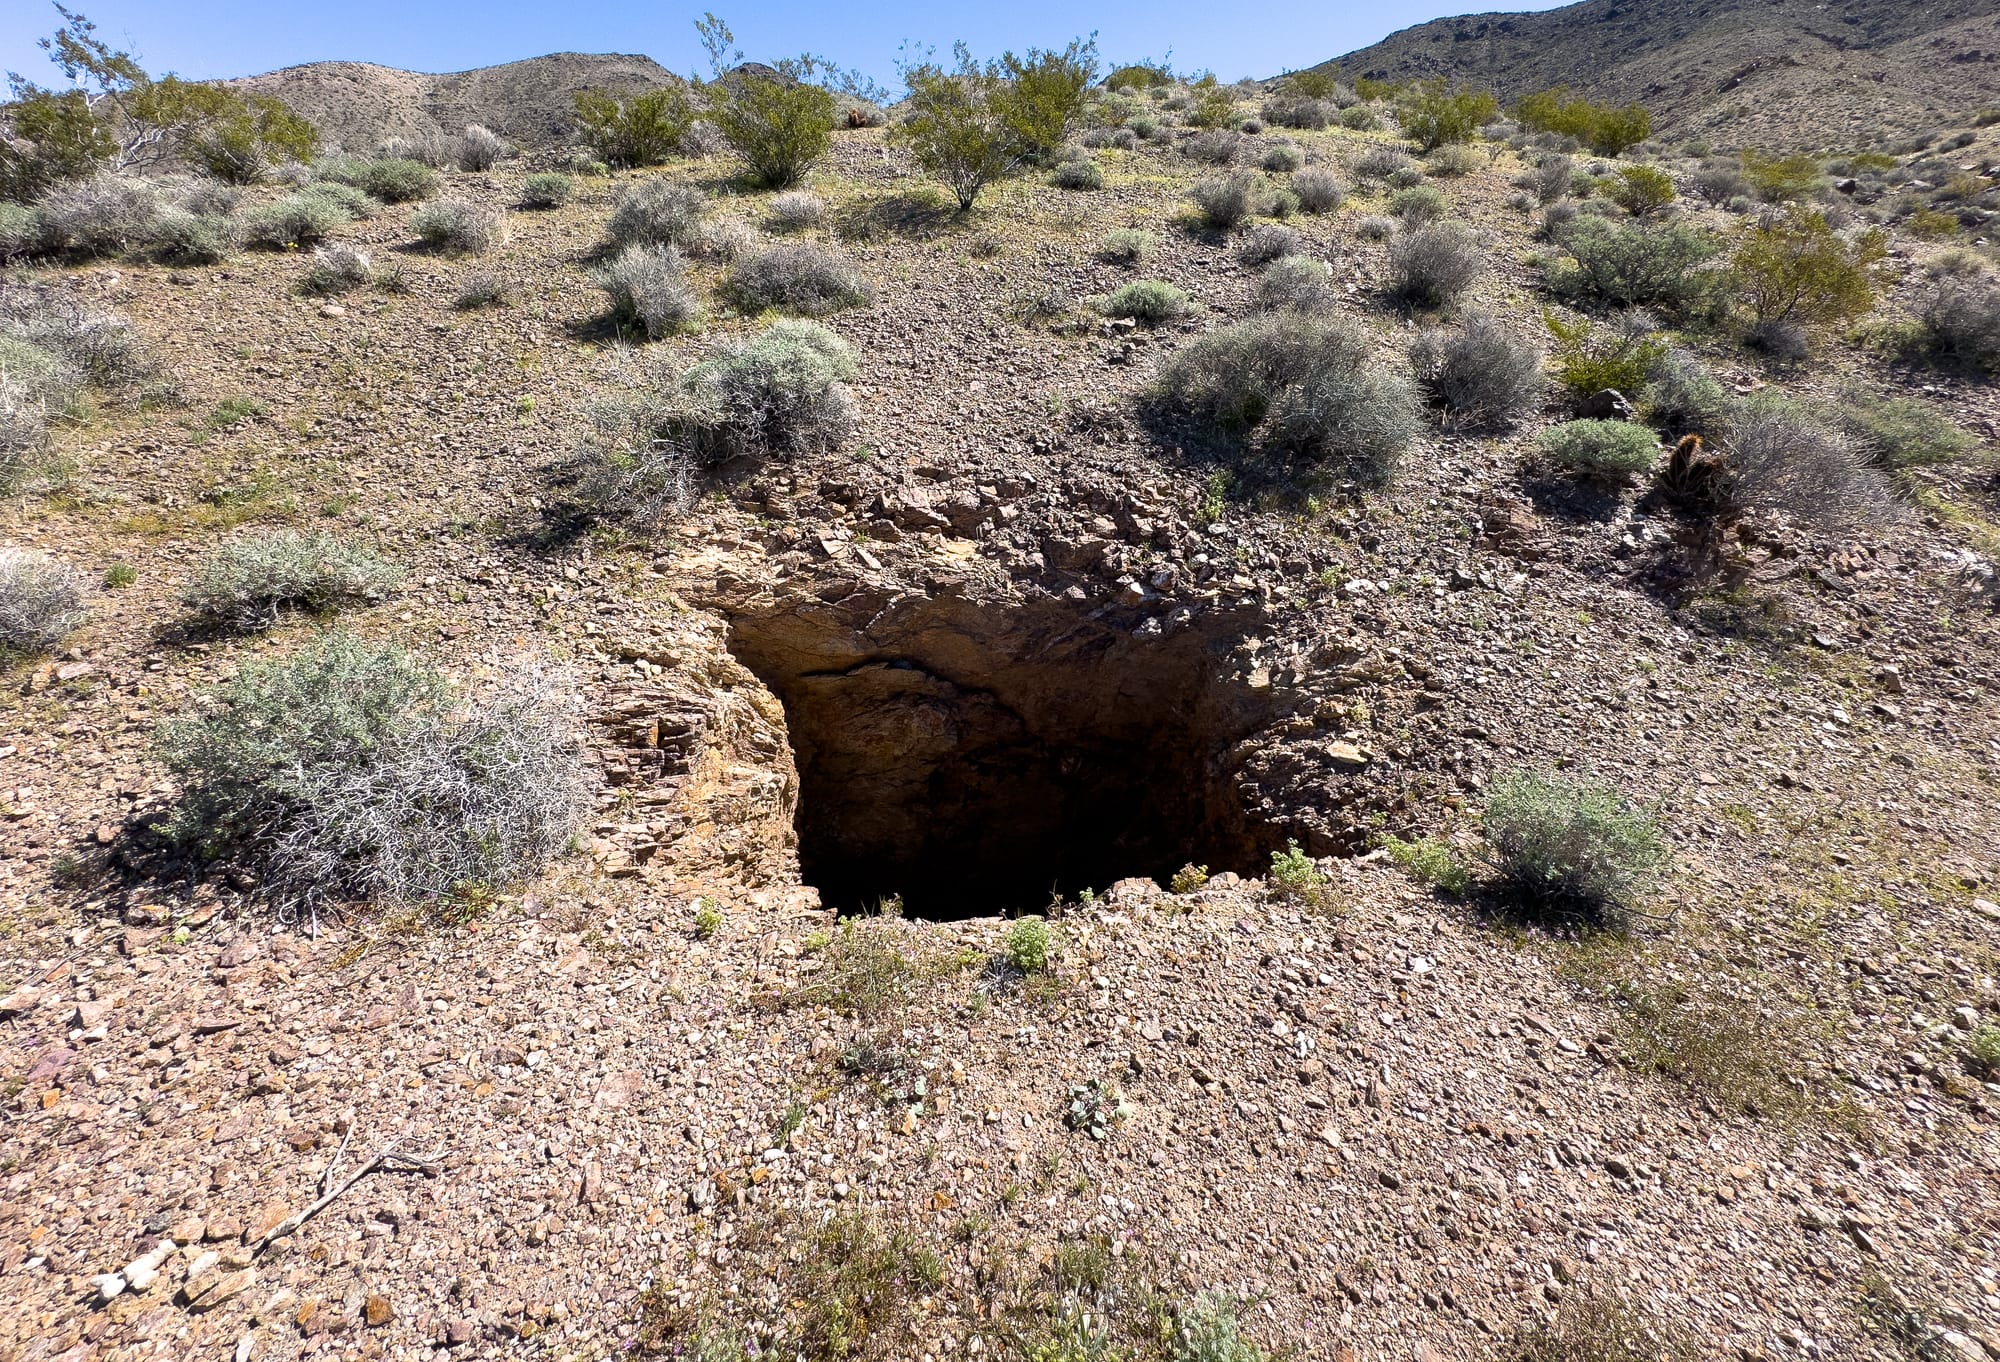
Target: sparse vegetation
(1572, 848)
(1681, 397)
(336, 269)
(248, 584)
(1597, 1326)
(1267, 242)
(1900, 433)
(1778, 457)
(649, 290)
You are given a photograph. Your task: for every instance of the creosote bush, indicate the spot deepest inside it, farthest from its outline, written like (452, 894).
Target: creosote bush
(351, 772)
(41, 602)
(1149, 302)
(547, 189)
(1433, 266)
(1572, 847)
(1319, 190)
(798, 277)
(1297, 386)
(657, 212)
(250, 583)
(1600, 449)
(455, 225)
(1480, 374)
(780, 128)
(648, 289)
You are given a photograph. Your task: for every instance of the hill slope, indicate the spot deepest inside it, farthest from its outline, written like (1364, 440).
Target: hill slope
(358, 103)
(1777, 72)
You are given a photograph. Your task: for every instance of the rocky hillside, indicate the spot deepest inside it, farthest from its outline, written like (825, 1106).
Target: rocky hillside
(357, 104)
(1772, 72)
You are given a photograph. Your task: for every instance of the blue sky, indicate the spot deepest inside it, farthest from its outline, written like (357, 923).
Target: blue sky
(215, 38)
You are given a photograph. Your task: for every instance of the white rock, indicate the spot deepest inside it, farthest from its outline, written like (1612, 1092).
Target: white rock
(110, 1286)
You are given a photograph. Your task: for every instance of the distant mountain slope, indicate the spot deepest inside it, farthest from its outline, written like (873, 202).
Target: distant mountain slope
(1796, 73)
(357, 104)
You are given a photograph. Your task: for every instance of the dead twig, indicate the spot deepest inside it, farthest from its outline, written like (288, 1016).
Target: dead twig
(391, 1157)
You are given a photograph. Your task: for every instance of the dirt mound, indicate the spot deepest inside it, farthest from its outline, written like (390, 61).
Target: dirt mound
(357, 104)
(1775, 72)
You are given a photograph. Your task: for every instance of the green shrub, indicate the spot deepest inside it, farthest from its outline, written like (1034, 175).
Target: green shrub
(1298, 386)
(1958, 323)
(1228, 202)
(1418, 206)
(1042, 94)
(1601, 449)
(1080, 174)
(1453, 161)
(647, 289)
(1776, 179)
(956, 126)
(1792, 267)
(1983, 1049)
(22, 231)
(352, 202)
(1294, 875)
(1634, 265)
(1901, 433)
(296, 220)
(657, 212)
(798, 277)
(547, 190)
(707, 919)
(1380, 162)
(1208, 1331)
(92, 345)
(1125, 246)
(103, 215)
(454, 225)
(1433, 115)
(1433, 266)
(1607, 130)
(398, 180)
(1481, 374)
(1590, 359)
(247, 585)
(1572, 847)
(779, 128)
(1214, 106)
(1318, 189)
(642, 129)
(181, 238)
(41, 602)
(1282, 157)
(1641, 190)
(1359, 118)
(1298, 284)
(348, 771)
(1681, 397)
(1148, 301)
(1027, 946)
(1430, 861)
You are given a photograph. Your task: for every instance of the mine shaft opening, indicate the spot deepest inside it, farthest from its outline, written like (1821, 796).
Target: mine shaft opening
(970, 761)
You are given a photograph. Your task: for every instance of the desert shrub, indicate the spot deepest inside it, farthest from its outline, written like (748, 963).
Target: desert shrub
(1287, 110)
(1318, 189)
(1042, 94)
(1600, 449)
(1148, 301)
(1433, 116)
(299, 219)
(1124, 139)
(1360, 118)
(719, 239)
(102, 215)
(1776, 179)
(24, 427)
(1778, 457)
(1640, 190)
(1227, 202)
(1148, 129)
(480, 148)
(395, 180)
(1418, 206)
(1298, 284)
(1267, 242)
(41, 602)
(336, 269)
(1453, 161)
(1379, 163)
(455, 225)
(481, 288)
(352, 202)
(1633, 265)
(1718, 184)
(1550, 180)
(583, 163)
(1081, 173)
(98, 347)
(1572, 847)
(1282, 157)
(1958, 322)
(1681, 397)
(348, 772)
(1208, 1331)
(1479, 373)
(1608, 130)
(1792, 267)
(22, 231)
(956, 126)
(1375, 228)
(1432, 266)
(1216, 147)
(1295, 385)
(780, 128)
(1590, 359)
(182, 238)
(657, 212)
(247, 585)
(1600, 1327)
(798, 277)
(648, 289)
(796, 210)
(1900, 433)
(642, 129)
(1125, 246)
(1027, 947)
(547, 189)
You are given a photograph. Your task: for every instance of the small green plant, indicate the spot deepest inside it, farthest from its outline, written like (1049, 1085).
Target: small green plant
(1572, 847)
(1147, 301)
(1189, 879)
(1125, 246)
(1295, 875)
(1641, 190)
(1778, 179)
(1589, 359)
(707, 918)
(455, 225)
(1027, 947)
(120, 575)
(1983, 1049)
(1602, 449)
(547, 189)
(1096, 1107)
(1209, 1331)
(1430, 861)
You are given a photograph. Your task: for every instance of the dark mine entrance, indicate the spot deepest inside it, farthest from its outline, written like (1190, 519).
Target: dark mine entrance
(973, 761)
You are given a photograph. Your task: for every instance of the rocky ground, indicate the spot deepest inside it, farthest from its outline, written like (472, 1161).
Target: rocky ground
(1398, 1123)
